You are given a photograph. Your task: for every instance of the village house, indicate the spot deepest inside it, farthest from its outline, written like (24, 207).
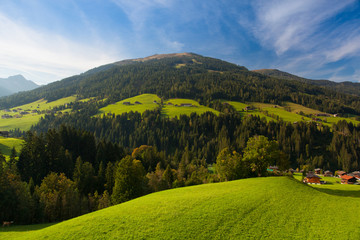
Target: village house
(356, 174)
(317, 170)
(328, 173)
(346, 179)
(312, 178)
(340, 173)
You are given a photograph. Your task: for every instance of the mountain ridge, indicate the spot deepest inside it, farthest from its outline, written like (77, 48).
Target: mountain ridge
(344, 87)
(14, 84)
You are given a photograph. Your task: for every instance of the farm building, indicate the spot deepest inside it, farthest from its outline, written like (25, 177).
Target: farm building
(340, 173)
(137, 102)
(328, 173)
(4, 133)
(312, 178)
(346, 179)
(186, 105)
(273, 168)
(126, 103)
(317, 170)
(356, 174)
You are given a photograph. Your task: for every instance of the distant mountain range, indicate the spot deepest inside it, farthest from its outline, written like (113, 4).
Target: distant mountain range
(15, 84)
(343, 87)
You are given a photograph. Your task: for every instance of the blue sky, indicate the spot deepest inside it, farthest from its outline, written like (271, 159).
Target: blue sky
(50, 40)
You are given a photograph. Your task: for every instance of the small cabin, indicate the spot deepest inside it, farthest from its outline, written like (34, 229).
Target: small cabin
(328, 173)
(137, 102)
(126, 103)
(273, 168)
(186, 105)
(4, 133)
(317, 170)
(312, 178)
(346, 179)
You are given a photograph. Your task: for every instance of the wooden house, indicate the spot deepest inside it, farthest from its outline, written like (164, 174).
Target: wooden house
(126, 103)
(356, 174)
(340, 173)
(346, 179)
(317, 170)
(137, 102)
(312, 178)
(4, 133)
(328, 173)
(186, 105)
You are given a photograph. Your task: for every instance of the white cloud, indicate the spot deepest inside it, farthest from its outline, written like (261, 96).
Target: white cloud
(46, 56)
(288, 25)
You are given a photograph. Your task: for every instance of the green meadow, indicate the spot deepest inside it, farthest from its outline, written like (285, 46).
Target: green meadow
(26, 121)
(146, 100)
(169, 108)
(172, 108)
(6, 145)
(256, 208)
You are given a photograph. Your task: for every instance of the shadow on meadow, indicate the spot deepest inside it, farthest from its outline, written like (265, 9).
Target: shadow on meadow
(343, 193)
(25, 228)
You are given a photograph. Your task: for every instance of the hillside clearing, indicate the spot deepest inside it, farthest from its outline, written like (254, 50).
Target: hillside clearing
(178, 106)
(144, 102)
(266, 208)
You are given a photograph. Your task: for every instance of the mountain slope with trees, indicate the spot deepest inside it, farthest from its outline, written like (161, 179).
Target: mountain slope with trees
(343, 87)
(188, 76)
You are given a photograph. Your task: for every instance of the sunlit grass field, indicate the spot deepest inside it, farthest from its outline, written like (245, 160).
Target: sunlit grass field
(172, 111)
(26, 121)
(256, 208)
(146, 100)
(6, 145)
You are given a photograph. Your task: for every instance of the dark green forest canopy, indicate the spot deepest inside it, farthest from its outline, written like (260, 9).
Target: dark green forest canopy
(189, 76)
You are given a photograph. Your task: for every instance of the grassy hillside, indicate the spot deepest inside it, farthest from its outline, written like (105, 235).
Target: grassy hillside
(289, 112)
(26, 121)
(6, 144)
(147, 103)
(258, 208)
(171, 110)
(146, 100)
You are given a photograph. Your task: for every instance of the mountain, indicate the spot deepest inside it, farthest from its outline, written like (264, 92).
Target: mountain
(343, 87)
(188, 75)
(15, 84)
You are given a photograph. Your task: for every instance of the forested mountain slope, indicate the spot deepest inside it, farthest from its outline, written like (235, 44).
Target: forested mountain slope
(343, 87)
(188, 76)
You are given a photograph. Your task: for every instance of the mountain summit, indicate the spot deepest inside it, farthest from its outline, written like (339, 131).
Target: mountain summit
(14, 84)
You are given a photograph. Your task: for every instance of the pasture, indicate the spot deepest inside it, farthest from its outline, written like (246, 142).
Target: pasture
(255, 208)
(146, 103)
(177, 106)
(6, 144)
(24, 122)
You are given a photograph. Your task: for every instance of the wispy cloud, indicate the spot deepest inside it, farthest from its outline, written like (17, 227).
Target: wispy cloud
(45, 56)
(290, 25)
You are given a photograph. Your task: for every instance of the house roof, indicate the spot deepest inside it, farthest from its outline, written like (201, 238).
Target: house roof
(347, 177)
(340, 172)
(312, 175)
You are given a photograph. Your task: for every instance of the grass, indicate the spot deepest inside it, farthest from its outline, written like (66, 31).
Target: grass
(26, 121)
(146, 100)
(147, 103)
(173, 111)
(257, 208)
(6, 145)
